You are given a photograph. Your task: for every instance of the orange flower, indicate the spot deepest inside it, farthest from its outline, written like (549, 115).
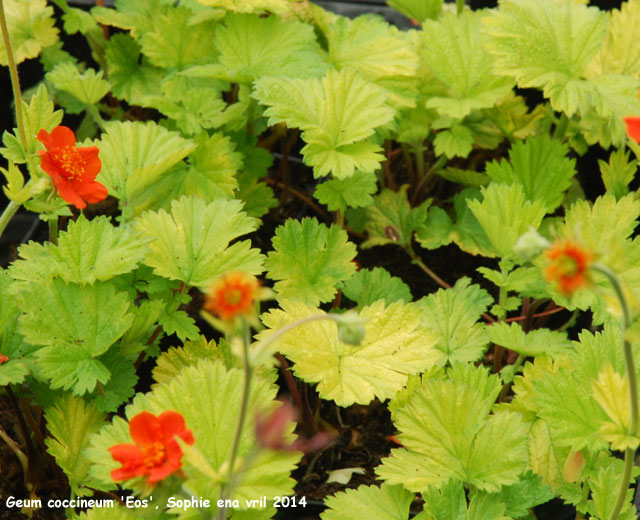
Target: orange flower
(3, 359)
(232, 295)
(72, 169)
(568, 266)
(633, 127)
(156, 453)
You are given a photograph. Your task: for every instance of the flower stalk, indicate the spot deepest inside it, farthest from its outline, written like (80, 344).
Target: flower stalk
(629, 453)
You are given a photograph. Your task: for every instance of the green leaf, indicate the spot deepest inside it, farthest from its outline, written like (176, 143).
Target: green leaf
(180, 324)
(88, 87)
(437, 230)
(618, 173)
(418, 10)
(134, 155)
(533, 343)
(367, 286)
(393, 348)
(129, 76)
(270, 44)
(258, 198)
(561, 39)
(618, 53)
(540, 166)
(87, 251)
(454, 142)
(191, 244)
(447, 433)
(38, 114)
(448, 502)
(606, 101)
(309, 260)
(12, 343)
(121, 384)
(382, 503)
(352, 192)
(525, 494)
(454, 49)
(75, 324)
(391, 220)
(467, 233)
(565, 399)
(136, 16)
(170, 363)
(77, 20)
(251, 6)
(337, 139)
(209, 397)
(603, 225)
(174, 42)
(604, 491)
(191, 104)
(208, 173)
(452, 315)
(505, 215)
(380, 52)
(32, 27)
(71, 421)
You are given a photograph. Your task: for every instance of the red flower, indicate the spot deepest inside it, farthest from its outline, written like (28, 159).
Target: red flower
(232, 295)
(568, 266)
(156, 453)
(72, 169)
(3, 359)
(633, 127)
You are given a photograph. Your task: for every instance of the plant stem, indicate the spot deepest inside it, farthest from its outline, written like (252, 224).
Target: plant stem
(459, 6)
(53, 230)
(8, 214)
(418, 261)
(633, 388)
(15, 80)
(13, 206)
(418, 150)
(226, 491)
(561, 128)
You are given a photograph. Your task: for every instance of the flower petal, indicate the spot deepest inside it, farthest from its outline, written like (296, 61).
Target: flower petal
(90, 191)
(68, 192)
(145, 429)
(92, 162)
(633, 127)
(63, 136)
(173, 424)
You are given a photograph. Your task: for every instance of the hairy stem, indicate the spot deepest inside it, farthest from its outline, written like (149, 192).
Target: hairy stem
(226, 491)
(633, 389)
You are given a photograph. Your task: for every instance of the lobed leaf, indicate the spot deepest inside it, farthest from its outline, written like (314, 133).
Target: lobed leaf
(367, 286)
(546, 45)
(191, 244)
(391, 220)
(71, 421)
(309, 260)
(352, 192)
(134, 155)
(88, 87)
(452, 316)
(393, 348)
(454, 49)
(270, 44)
(382, 503)
(31, 26)
(89, 250)
(505, 215)
(337, 114)
(540, 166)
